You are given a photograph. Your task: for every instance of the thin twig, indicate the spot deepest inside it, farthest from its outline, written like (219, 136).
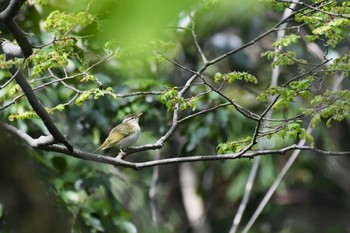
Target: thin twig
(317, 9)
(240, 109)
(10, 80)
(203, 111)
(140, 93)
(64, 83)
(177, 64)
(195, 39)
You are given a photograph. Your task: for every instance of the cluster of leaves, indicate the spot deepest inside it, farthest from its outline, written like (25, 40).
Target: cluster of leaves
(14, 88)
(88, 195)
(31, 114)
(286, 41)
(327, 22)
(287, 94)
(233, 146)
(341, 64)
(332, 105)
(166, 47)
(160, 44)
(171, 98)
(278, 5)
(57, 54)
(5, 65)
(61, 22)
(95, 93)
(293, 131)
(235, 75)
(44, 60)
(284, 57)
(21, 116)
(62, 25)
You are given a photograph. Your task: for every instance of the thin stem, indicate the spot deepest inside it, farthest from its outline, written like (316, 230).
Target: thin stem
(10, 80)
(195, 39)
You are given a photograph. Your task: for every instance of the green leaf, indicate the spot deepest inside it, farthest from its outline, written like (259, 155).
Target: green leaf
(85, 95)
(193, 103)
(315, 121)
(233, 146)
(218, 76)
(60, 107)
(286, 41)
(60, 22)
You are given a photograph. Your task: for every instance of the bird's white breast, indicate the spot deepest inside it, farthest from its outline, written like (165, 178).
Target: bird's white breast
(131, 139)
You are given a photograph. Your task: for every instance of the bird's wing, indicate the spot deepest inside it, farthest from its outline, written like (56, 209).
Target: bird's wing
(114, 137)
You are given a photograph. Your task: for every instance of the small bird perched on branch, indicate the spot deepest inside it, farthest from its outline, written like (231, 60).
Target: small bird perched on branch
(123, 135)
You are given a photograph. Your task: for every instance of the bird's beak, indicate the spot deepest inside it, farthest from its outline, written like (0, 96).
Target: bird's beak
(139, 115)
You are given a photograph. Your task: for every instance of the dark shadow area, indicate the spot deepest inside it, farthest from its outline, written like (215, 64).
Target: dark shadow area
(28, 200)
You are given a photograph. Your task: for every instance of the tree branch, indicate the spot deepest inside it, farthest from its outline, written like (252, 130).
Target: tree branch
(7, 19)
(11, 10)
(34, 143)
(41, 143)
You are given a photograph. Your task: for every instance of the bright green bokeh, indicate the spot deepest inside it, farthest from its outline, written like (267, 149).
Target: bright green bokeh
(135, 23)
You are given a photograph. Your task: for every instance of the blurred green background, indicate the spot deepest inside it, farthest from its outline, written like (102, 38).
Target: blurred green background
(91, 197)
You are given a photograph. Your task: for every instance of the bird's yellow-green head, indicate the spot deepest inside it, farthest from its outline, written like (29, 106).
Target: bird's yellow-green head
(132, 117)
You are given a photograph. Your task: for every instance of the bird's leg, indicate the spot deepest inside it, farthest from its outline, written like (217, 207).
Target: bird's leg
(121, 154)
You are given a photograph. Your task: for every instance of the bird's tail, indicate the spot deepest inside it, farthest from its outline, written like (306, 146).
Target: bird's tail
(99, 149)
(104, 146)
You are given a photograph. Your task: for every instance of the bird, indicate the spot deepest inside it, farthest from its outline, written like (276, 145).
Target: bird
(123, 135)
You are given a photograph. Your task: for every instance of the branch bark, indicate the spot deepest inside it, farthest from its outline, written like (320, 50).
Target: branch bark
(42, 144)
(7, 19)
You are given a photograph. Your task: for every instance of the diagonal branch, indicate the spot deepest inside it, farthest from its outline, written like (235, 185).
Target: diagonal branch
(39, 108)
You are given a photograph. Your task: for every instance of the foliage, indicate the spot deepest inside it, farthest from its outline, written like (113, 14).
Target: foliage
(332, 105)
(232, 76)
(201, 67)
